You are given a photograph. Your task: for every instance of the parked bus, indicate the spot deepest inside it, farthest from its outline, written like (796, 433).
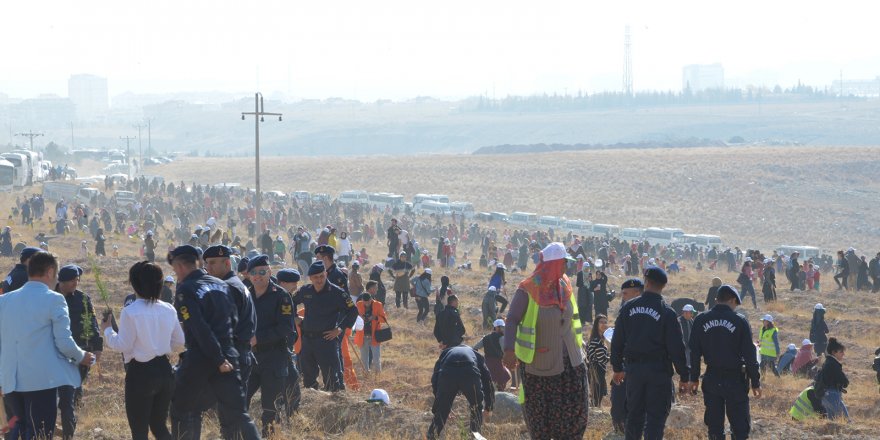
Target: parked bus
(549, 221)
(496, 216)
(354, 196)
(384, 200)
(702, 240)
(464, 209)
(806, 252)
(428, 207)
(418, 199)
(19, 162)
(632, 234)
(581, 227)
(601, 230)
(35, 171)
(663, 235)
(7, 175)
(524, 218)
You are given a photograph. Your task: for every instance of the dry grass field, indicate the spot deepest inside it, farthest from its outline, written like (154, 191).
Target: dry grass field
(751, 196)
(827, 197)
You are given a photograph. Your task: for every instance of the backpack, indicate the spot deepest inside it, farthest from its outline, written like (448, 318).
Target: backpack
(818, 385)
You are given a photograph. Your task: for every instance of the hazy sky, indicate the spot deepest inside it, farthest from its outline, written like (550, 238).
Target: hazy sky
(404, 48)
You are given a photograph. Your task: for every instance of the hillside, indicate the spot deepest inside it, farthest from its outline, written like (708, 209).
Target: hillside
(751, 196)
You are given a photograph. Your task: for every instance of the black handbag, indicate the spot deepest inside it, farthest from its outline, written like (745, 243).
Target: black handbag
(384, 333)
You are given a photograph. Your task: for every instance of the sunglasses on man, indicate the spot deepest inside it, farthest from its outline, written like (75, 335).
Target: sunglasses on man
(261, 272)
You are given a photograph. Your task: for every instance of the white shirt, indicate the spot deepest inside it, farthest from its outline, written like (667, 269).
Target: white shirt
(146, 330)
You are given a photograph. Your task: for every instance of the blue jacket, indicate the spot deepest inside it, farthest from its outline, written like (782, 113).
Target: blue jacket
(37, 350)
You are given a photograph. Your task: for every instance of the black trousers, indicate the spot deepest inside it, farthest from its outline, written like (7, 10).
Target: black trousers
(424, 308)
(268, 376)
(199, 385)
(726, 395)
(618, 406)
(292, 390)
(37, 412)
(321, 356)
(68, 399)
(401, 297)
(451, 382)
(648, 399)
(148, 389)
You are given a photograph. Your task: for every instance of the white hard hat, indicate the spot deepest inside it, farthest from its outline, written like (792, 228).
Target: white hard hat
(498, 323)
(492, 288)
(793, 347)
(768, 318)
(819, 306)
(807, 342)
(379, 395)
(169, 279)
(688, 308)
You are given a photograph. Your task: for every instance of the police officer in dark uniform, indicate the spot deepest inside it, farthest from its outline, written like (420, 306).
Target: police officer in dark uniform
(460, 369)
(207, 372)
(334, 275)
(289, 279)
(630, 289)
(218, 264)
(724, 339)
(84, 329)
(648, 338)
(18, 275)
(329, 312)
(275, 333)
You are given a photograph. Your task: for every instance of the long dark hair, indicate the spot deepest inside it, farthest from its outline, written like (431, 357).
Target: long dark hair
(500, 272)
(594, 332)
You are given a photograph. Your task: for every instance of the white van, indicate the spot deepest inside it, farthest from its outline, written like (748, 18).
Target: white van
(549, 221)
(663, 235)
(429, 207)
(601, 230)
(463, 209)
(806, 252)
(524, 218)
(353, 196)
(632, 234)
(385, 200)
(581, 227)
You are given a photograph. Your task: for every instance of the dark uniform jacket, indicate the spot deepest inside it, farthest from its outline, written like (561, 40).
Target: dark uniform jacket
(77, 304)
(647, 330)
(326, 309)
(244, 305)
(724, 339)
(275, 328)
(336, 277)
(208, 314)
(463, 358)
(448, 329)
(16, 278)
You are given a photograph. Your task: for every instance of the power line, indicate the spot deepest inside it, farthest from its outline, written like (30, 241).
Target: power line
(258, 115)
(627, 63)
(30, 134)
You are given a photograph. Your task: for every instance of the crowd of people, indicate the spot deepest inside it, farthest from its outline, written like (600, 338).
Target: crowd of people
(239, 307)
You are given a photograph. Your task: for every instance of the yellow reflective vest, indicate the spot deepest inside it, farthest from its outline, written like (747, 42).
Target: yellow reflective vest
(527, 335)
(768, 348)
(802, 408)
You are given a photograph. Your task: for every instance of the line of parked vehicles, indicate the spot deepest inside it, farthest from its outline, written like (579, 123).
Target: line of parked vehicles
(20, 168)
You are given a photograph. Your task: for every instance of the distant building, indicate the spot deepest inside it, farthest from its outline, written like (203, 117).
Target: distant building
(89, 94)
(45, 112)
(865, 88)
(699, 77)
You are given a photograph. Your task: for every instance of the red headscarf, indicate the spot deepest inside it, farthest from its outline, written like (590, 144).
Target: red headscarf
(548, 285)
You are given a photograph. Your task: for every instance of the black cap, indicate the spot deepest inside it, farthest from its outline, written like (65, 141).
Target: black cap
(325, 249)
(632, 283)
(217, 251)
(69, 272)
(288, 275)
(181, 251)
(258, 261)
(726, 290)
(243, 264)
(29, 252)
(316, 268)
(656, 275)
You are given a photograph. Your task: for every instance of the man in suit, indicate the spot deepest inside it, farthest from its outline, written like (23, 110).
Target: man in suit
(37, 351)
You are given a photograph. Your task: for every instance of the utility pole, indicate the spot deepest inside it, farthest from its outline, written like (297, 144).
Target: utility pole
(149, 136)
(30, 134)
(128, 153)
(72, 145)
(140, 167)
(258, 114)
